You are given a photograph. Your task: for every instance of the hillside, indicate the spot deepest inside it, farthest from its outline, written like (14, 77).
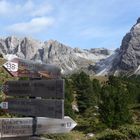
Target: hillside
(97, 98)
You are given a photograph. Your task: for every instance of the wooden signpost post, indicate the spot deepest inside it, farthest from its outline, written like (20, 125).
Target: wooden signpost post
(41, 99)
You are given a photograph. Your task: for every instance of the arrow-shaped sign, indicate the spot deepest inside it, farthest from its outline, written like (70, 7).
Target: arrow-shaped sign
(55, 125)
(24, 68)
(17, 127)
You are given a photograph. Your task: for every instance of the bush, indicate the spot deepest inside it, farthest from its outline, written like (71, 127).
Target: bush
(127, 132)
(67, 136)
(132, 131)
(110, 135)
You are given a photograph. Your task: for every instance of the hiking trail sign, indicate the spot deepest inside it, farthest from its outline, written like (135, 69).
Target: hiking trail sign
(53, 88)
(35, 107)
(25, 68)
(17, 127)
(42, 101)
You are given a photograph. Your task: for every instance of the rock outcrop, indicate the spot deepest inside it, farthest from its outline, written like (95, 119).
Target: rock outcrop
(126, 60)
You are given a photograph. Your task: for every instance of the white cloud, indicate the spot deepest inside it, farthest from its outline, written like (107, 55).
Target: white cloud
(28, 17)
(35, 25)
(41, 10)
(4, 7)
(29, 8)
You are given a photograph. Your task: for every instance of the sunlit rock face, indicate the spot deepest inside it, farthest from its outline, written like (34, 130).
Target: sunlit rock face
(53, 52)
(125, 60)
(130, 49)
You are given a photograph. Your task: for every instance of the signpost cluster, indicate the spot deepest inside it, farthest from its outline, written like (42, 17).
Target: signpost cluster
(49, 100)
(40, 99)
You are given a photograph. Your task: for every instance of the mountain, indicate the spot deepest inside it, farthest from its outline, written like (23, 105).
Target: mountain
(53, 52)
(125, 60)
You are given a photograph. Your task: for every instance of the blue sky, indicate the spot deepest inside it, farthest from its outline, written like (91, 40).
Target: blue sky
(78, 23)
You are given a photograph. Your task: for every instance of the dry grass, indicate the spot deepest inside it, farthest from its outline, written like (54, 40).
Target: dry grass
(102, 79)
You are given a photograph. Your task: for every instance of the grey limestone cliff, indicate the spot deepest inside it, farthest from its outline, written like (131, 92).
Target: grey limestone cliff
(53, 52)
(126, 60)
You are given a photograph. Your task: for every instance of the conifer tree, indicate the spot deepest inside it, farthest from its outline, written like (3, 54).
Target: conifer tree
(69, 98)
(96, 89)
(84, 91)
(113, 107)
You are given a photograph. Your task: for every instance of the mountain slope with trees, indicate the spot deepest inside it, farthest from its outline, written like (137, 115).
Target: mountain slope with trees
(109, 109)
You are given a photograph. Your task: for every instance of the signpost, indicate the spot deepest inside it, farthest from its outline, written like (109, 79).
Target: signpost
(24, 68)
(37, 88)
(36, 107)
(50, 103)
(12, 127)
(51, 126)
(17, 127)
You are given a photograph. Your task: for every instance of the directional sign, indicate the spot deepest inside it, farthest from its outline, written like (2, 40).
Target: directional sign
(24, 68)
(36, 107)
(12, 127)
(17, 127)
(36, 88)
(51, 126)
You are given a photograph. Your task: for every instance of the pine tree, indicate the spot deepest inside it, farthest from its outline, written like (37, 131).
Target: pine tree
(69, 98)
(113, 107)
(84, 91)
(96, 89)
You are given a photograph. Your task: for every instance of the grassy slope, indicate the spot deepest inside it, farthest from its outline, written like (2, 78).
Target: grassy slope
(4, 76)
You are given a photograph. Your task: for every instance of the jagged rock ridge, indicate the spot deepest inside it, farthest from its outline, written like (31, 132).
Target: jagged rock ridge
(53, 52)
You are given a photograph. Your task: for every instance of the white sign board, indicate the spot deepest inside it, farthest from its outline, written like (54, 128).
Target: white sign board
(18, 127)
(11, 66)
(48, 125)
(12, 127)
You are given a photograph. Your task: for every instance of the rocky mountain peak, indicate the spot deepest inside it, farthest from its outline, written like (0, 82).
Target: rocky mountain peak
(138, 20)
(127, 59)
(103, 51)
(53, 52)
(130, 49)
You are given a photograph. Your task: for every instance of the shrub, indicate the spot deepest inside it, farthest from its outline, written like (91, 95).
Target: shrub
(132, 131)
(110, 135)
(75, 135)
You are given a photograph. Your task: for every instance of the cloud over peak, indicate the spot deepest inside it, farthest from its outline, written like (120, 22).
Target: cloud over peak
(28, 17)
(28, 8)
(35, 25)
